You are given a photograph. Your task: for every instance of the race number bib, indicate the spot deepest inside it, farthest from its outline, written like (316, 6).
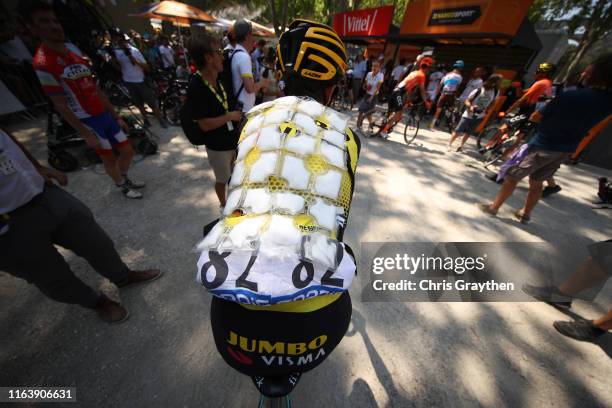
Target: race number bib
(256, 279)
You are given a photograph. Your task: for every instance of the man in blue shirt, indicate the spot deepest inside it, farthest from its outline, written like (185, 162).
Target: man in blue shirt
(562, 125)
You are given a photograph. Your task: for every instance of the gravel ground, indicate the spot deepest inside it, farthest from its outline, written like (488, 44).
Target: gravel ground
(395, 354)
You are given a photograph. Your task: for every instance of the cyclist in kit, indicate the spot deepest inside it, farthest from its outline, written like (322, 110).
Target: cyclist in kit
(528, 102)
(408, 92)
(449, 85)
(291, 188)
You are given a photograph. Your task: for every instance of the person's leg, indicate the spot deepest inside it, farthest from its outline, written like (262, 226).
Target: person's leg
(359, 119)
(392, 121)
(151, 100)
(126, 154)
(504, 193)
(220, 191)
(466, 136)
(604, 322)
(533, 196)
(111, 165)
(454, 136)
(589, 275)
(27, 252)
(138, 100)
(435, 117)
(79, 232)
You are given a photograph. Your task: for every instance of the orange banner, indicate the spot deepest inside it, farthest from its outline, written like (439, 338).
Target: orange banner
(464, 16)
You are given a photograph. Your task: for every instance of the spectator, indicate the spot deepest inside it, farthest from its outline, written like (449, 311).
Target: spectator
(133, 66)
(40, 215)
(372, 84)
(474, 83)
(208, 104)
(398, 73)
(562, 125)
(359, 73)
(434, 82)
(245, 87)
(477, 103)
(257, 56)
(166, 55)
(592, 273)
(66, 78)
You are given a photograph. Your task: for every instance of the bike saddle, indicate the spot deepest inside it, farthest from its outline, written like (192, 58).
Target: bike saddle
(276, 386)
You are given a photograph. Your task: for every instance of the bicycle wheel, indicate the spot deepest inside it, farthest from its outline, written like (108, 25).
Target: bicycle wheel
(487, 135)
(412, 129)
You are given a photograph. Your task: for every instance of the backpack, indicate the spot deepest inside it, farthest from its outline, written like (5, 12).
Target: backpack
(191, 128)
(227, 80)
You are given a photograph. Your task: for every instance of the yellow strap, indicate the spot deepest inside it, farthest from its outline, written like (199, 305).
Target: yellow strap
(222, 100)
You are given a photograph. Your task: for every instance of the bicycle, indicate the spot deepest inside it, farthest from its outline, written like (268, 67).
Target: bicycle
(411, 117)
(452, 115)
(343, 98)
(495, 140)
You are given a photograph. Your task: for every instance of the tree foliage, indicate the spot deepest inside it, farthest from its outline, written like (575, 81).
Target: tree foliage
(587, 20)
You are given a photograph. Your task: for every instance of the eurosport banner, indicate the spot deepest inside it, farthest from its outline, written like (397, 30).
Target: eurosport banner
(454, 16)
(364, 23)
(477, 271)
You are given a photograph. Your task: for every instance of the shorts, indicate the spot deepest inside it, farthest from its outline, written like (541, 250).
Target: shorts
(367, 106)
(446, 100)
(141, 93)
(266, 343)
(538, 165)
(221, 162)
(396, 101)
(108, 131)
(467, 125)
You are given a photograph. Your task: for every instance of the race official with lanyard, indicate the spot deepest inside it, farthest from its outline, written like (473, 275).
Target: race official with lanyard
(209, 108)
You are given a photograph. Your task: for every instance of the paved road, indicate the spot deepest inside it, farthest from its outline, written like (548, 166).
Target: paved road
(395, 354)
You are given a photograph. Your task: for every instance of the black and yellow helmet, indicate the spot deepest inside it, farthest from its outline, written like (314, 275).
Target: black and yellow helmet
(546, 68)
(311, 51)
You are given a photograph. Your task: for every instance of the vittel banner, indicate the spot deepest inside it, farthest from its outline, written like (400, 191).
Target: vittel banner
(366, 22)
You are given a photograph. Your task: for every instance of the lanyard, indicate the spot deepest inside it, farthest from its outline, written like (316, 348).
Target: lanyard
(222, 100)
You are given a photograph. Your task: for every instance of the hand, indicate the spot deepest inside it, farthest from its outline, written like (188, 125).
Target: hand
(90, 138)
(264, 83)
(49, 175)
(235, 116)
(428, 104)
(123, 125)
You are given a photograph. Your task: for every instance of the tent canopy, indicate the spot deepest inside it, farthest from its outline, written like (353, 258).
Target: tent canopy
(174, 11)
(258, 29)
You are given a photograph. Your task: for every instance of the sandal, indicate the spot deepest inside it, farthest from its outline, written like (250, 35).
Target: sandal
(521, 217)
(486, 208)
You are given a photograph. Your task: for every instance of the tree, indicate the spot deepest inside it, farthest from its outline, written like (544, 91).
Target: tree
(589, 20)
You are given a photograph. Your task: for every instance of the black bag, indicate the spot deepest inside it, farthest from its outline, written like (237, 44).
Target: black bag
(225, 77)
(605, 190)
(191, 128)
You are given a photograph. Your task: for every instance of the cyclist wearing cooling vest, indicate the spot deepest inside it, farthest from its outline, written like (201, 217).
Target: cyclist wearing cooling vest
(276, 263)
(66, 77)
(407, 92)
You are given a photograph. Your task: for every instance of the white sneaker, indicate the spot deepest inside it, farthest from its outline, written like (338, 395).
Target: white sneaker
(384, 135)
(129, 193)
